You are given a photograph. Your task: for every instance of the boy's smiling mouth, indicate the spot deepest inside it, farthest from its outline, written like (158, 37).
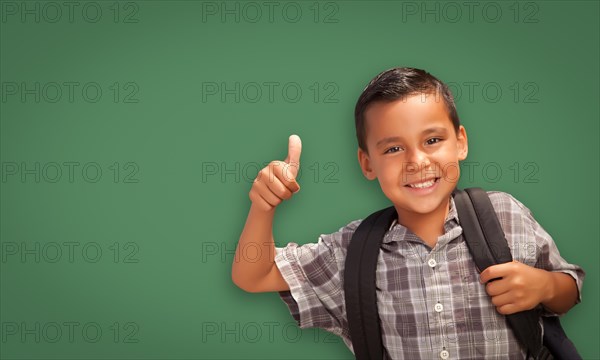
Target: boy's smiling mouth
(424, 185)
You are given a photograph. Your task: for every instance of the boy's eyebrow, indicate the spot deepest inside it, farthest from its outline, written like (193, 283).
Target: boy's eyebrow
(387, 140)
(390, 139)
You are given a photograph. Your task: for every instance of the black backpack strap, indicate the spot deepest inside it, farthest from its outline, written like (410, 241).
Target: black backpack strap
(555, 339)
(482, 231)
(360, 284)
(488, 246)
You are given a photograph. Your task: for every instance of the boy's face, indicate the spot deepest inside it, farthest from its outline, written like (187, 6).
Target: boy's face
(412, 141)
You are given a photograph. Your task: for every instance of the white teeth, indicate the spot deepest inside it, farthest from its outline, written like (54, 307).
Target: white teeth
(423, 185)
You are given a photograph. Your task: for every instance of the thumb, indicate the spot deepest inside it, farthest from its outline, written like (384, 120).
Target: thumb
(293, 156)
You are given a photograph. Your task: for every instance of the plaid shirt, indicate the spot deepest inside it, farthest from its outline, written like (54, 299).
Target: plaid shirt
(431, 304)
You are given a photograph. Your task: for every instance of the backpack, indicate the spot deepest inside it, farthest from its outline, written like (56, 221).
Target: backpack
(488, 246)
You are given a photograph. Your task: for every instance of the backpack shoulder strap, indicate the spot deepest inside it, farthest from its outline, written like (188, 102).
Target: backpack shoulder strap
(482, 231)
(360, 284)
(488, 246)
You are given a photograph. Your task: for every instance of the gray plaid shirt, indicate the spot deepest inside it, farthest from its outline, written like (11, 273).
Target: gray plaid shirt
(431, 304)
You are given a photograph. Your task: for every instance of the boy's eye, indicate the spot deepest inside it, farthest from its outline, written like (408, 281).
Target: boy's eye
(396, 148)
(433, 141)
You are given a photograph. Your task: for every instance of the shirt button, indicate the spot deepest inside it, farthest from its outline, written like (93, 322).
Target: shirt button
(432, 262)
(438, 307)
(444, 354)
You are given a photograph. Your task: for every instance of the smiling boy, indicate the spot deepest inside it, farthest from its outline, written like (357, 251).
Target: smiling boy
(432, 302)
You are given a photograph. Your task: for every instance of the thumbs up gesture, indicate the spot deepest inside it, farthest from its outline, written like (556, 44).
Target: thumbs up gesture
(277, 181)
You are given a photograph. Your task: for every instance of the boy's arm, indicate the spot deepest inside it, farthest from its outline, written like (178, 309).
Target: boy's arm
(546, 278)
(562, 292)
(254, 268)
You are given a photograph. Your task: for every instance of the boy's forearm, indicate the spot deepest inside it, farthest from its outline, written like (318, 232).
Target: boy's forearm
(255, 252)
(562, 292)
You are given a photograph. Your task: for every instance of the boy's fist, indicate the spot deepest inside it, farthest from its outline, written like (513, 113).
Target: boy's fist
(518, 287)
(277, 181)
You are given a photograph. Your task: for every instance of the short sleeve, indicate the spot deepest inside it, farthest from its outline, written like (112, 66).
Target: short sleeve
(548, 256)
(314, 273)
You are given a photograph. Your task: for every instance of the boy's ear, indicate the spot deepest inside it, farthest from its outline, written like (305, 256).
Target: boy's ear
(365, 164)
(462, 142)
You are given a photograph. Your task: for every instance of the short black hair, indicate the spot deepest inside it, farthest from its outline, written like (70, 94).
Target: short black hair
(398, 83)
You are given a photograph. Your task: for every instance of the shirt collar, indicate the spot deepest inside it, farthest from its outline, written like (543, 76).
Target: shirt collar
(452, 215)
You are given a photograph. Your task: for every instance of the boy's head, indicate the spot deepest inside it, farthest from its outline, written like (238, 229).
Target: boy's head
(398, 84)
(410, 139)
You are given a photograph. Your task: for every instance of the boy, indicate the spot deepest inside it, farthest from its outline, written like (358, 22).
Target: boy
(432, 301)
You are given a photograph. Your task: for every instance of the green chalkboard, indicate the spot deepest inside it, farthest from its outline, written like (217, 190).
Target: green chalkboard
(131, 132)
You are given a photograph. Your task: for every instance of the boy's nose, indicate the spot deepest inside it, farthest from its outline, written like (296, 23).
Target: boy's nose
(417, 160)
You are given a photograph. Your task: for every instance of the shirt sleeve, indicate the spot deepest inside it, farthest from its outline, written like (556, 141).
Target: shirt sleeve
(548, 256)
(314, 273)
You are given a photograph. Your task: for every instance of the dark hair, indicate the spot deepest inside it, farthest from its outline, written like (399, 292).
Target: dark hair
(397, 83)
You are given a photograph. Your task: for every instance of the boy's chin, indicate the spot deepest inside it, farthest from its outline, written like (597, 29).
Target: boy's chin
(425, 208)
(424, 205)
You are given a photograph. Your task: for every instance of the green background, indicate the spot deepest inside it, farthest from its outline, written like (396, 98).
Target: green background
(178, 159)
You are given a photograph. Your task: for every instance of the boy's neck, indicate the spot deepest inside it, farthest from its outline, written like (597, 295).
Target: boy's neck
(429, 226)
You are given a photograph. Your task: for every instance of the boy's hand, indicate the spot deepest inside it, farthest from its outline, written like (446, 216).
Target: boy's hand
(520, 288)
(277, 181)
